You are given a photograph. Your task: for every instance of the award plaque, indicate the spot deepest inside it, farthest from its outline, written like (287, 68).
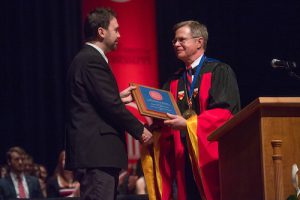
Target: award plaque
(154, 102)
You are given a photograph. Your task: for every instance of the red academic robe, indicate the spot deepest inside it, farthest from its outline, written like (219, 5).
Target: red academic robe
(215, 100)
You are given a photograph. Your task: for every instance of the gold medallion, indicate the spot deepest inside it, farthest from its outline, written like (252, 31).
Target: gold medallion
(188, 113)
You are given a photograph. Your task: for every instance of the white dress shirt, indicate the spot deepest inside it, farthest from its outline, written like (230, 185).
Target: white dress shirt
(15, 182)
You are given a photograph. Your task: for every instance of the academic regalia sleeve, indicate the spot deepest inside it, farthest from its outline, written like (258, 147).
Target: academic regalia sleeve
(224, 90)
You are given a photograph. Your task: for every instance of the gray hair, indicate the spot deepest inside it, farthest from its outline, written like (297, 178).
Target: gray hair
(197, 29)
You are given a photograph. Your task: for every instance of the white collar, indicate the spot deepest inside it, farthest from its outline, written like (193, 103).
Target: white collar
(196, 62)
(15, 177)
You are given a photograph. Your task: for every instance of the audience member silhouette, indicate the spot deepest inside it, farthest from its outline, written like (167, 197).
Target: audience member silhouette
(29, 164)
(132, 182)
(3, 171)
(17, 184)
(42, 174)
(62, 183)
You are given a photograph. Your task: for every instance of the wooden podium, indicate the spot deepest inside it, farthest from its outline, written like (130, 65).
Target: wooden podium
(257, 149)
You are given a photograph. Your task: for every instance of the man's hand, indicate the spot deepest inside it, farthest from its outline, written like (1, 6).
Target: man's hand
(146, 137)
(122, 177)
(175, 122)
(126, 96)
(132, 182)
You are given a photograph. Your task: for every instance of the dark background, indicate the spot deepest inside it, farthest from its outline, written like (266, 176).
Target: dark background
(39, 39)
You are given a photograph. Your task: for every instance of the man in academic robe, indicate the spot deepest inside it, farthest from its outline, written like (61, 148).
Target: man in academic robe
(207, 95)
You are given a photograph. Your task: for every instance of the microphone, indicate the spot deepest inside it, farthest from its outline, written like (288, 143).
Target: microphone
(283, 64)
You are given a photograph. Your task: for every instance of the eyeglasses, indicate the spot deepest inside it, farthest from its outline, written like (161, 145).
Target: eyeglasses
(182, 40)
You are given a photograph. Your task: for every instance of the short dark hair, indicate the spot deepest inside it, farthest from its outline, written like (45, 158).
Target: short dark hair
(197, 29)
(16, 149)
(100, 17)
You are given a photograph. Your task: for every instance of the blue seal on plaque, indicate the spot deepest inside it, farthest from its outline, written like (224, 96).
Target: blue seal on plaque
(157, 100)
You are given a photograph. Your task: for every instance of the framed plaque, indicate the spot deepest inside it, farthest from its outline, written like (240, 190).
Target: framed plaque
(154, 102)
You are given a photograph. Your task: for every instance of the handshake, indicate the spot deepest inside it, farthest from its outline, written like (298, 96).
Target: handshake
(147, 137)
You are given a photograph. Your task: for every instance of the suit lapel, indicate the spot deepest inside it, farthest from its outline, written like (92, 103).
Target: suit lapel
(103, 62)
(29, 184)
(98, 54)
(11, 186)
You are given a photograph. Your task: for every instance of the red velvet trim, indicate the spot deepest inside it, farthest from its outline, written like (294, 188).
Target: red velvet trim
(166, 161)
(178, 165)
(208, 121)
(204, 90)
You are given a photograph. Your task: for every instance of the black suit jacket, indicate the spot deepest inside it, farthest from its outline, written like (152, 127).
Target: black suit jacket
(96, 117)
(7, 189)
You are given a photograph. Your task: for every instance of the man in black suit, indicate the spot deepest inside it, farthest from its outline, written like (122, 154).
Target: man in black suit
(96, 117)
(16, 184)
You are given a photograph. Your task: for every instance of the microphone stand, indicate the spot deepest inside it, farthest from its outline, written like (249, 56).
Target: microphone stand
(294, 75)
(289, 68)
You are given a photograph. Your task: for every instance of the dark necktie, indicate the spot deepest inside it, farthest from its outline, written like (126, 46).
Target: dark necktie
(189, 78)
(21, 189)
